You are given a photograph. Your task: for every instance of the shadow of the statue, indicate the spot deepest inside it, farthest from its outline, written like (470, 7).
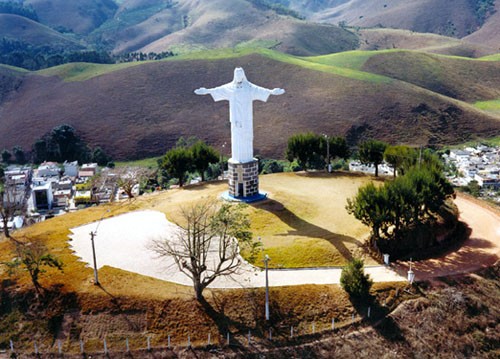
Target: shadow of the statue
(301, 227)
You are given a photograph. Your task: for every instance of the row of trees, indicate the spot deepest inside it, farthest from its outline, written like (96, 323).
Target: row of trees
(186, 157)
(313, 151)
(32, 57)
(18, 8)
(63, 143)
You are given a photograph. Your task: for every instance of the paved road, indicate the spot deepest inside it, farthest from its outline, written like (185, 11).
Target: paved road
(480, 250)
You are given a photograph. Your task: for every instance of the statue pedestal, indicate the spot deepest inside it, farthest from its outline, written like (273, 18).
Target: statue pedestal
(243, 179)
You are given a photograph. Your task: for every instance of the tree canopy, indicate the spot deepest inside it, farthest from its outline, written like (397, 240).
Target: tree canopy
(372, 152)
(397, 206)
(311, 150)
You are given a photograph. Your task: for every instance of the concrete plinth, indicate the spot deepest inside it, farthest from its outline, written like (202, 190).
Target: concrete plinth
(243, 178)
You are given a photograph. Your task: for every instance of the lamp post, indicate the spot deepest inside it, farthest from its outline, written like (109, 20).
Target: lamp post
(221, 161)
(92, 236)
(328, 164)
(266, 261)
(411, 275)
(96, 278)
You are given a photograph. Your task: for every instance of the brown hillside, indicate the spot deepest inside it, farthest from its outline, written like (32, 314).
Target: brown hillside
(34, 33)
(220, 23)
(379, 39)
(443, 75)
(489, 34)
(142, 110)
(446, 17)
(80, 16)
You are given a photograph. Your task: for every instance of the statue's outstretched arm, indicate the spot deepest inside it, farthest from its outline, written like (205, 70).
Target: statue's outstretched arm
(277, 91)
(202, 91)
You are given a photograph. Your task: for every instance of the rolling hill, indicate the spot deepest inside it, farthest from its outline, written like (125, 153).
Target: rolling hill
(80, 17)
(153, 26)
(138, 110)
(456, 18)
(378, 39)
(28, 31)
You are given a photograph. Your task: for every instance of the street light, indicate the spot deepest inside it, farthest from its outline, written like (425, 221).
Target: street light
(266, 260)
(329, 165)
(92, 236)
(411, 275)
(221, 161)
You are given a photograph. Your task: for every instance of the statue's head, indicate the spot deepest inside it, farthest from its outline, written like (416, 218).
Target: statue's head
(239, 76)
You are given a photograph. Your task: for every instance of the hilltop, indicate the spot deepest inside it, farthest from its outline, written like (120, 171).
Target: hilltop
(293, 26)
(141, 109)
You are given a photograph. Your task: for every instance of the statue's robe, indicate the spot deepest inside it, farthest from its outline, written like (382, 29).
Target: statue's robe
(241, 97)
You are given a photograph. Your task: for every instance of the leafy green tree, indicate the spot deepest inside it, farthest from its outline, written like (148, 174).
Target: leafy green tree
(371, 207)
(19, 155)
(397, 156)
(177, 162)
(61, 144)
(6, 156)
(354, 280)
(306, 149)
(203, 156)
(100, 157)
(339, 148)
(372, 152)
(397, 206)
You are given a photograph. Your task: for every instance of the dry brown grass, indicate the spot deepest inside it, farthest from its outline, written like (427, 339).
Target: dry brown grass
(304, 223)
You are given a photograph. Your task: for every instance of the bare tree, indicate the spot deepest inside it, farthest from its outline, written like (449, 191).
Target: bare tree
(206, 246)
(13, 200)
(128, 178)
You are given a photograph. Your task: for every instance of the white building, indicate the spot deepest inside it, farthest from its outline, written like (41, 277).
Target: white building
(42, 196)
(48, 169)
(71, 168)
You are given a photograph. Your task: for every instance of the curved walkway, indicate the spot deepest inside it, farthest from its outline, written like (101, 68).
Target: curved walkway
(480, 250)
(123, 241)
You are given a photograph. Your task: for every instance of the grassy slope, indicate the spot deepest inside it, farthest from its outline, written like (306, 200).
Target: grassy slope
(425, 16)
(384, 38)
(34, 33)
(81, 16)
(142, 108)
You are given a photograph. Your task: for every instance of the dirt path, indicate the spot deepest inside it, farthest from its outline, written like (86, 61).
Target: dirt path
(481, 249)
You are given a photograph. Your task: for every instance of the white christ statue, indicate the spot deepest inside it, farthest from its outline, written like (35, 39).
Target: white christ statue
(240, 93)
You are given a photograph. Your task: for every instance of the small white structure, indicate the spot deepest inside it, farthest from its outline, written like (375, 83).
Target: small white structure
(48, 169)
(89, 168)
(42, 196)
(71, 168)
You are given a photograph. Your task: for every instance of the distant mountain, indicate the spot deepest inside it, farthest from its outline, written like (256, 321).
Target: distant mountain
(140, 109)
(183, 25)
(457, 18)
(24, 30)
(78, 16)
(155, 26)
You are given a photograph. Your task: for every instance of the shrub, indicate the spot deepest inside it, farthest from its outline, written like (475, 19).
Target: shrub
(354, 280)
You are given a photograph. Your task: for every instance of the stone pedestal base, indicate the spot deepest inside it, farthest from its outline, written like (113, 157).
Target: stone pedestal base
(243, 179)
